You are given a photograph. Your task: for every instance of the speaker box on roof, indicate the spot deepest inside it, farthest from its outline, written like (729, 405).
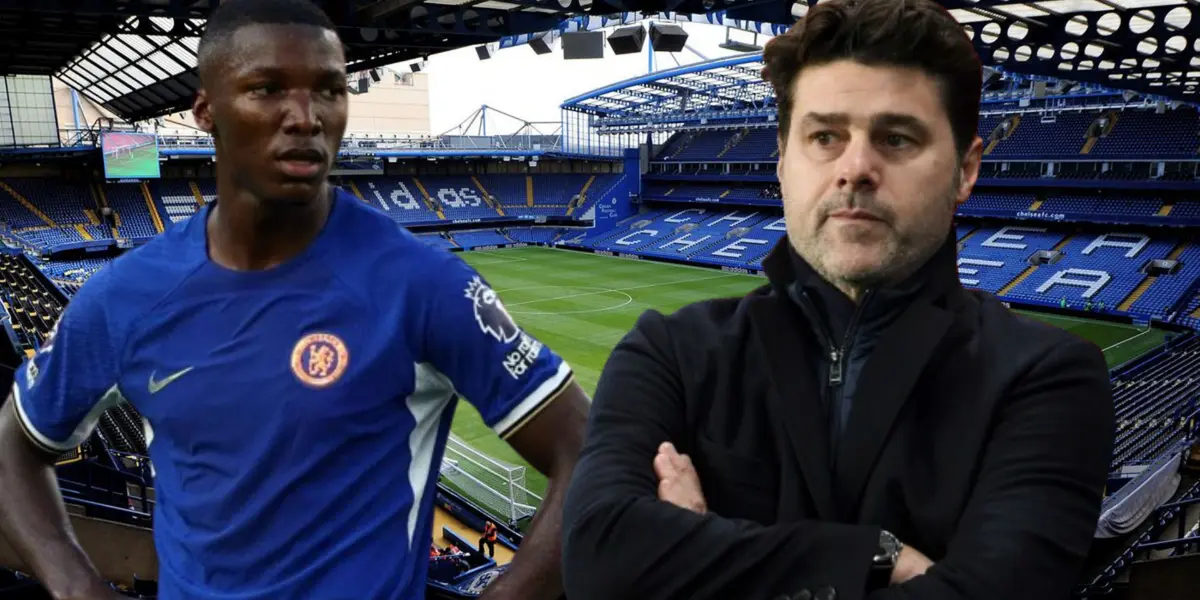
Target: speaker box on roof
(667, 38)
(541, 45)
(483, 52)
(628, 40)
(992, 81)
(375, 75)
(582, 45)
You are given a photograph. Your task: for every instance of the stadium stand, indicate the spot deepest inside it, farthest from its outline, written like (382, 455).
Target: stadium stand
(29, 300)
(181, 198)
(71, 214)
(478, 238)
(1130, 133)
(535, 235)
(72, 270)
(1033, 264)
(1153, 401)
(441, 240)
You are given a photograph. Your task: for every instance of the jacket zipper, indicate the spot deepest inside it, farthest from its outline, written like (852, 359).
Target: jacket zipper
(837, 354)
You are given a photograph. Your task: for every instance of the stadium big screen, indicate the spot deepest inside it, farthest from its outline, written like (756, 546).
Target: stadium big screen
(130, 155)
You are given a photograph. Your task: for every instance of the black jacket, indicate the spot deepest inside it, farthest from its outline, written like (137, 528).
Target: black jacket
(977, 436)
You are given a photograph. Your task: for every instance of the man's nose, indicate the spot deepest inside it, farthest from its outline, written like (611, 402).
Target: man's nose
(858, 166)
(300, 115)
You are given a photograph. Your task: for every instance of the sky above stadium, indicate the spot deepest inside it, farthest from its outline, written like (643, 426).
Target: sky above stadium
(532, 87)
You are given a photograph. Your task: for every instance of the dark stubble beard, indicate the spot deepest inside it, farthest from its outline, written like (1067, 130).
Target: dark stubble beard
(906, 250)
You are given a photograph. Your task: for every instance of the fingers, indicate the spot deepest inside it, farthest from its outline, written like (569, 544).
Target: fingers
(663, 467)
(678, 464)
(678, 482)
(681, 493)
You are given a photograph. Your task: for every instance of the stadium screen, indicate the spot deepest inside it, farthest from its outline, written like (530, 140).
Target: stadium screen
(130, 155)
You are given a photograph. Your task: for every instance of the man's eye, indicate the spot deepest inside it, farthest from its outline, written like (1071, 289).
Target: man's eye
(896, 140)
(265, 89)
(824, 138)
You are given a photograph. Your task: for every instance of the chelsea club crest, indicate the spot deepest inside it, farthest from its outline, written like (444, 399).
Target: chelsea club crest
(319, 359)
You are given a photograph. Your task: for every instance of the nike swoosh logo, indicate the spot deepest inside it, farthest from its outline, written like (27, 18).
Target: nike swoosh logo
(157, 386)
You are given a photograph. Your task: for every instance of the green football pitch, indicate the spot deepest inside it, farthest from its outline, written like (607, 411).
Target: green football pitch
(139, 164)
(582, 304)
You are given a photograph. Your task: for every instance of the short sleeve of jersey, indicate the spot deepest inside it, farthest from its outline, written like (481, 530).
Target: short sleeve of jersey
(61, 391)
(468, 336)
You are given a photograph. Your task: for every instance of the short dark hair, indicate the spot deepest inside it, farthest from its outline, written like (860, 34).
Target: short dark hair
(918, 34)
(233, 15)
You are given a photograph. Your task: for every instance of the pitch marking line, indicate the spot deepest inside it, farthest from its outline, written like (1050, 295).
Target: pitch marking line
(628, 300)
(1079, 319)
(1128, 339)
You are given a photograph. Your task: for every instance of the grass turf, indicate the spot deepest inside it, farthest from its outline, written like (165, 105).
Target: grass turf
(139, 164)
(582, 304)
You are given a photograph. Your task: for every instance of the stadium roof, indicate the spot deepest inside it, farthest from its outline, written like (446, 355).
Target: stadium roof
(719, 84)
(138, 57)
(1145, 46)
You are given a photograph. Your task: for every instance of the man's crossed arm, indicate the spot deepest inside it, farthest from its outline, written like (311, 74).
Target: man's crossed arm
(1025, 531)
(679, 484)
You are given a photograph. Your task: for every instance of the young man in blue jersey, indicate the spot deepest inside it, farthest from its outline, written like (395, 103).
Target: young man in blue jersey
(297, 357)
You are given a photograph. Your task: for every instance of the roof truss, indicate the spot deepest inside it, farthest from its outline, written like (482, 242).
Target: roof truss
(1151, 47)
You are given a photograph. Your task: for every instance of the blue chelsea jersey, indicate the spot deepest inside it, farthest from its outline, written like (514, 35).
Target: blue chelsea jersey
(295, 416)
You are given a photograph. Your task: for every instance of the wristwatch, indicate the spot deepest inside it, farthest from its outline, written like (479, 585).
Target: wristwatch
(884, 561)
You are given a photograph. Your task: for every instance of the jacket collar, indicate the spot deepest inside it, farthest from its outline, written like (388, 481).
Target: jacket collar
(938, 276)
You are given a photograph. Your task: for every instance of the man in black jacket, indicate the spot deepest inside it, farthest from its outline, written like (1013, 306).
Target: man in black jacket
(862, 426)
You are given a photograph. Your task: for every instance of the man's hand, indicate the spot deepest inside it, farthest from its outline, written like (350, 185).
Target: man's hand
(911, 563)
(678, 482)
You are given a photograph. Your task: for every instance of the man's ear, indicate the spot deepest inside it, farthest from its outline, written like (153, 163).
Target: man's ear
(779, 162)
(202, 112)
(971, 163)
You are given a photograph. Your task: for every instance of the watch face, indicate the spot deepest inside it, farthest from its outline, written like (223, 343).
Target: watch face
(889, 543)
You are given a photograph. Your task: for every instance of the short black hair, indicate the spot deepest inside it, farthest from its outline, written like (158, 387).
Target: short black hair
(919, 34)
(233, 15)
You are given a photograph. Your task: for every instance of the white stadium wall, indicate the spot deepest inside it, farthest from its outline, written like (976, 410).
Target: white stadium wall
(89, 111)
(398, 104)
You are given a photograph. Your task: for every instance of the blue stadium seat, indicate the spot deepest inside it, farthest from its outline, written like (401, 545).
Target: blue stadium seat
(481, 237)
(994, 256)
(1151, 400)
(399, 197)
(1094, 267)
